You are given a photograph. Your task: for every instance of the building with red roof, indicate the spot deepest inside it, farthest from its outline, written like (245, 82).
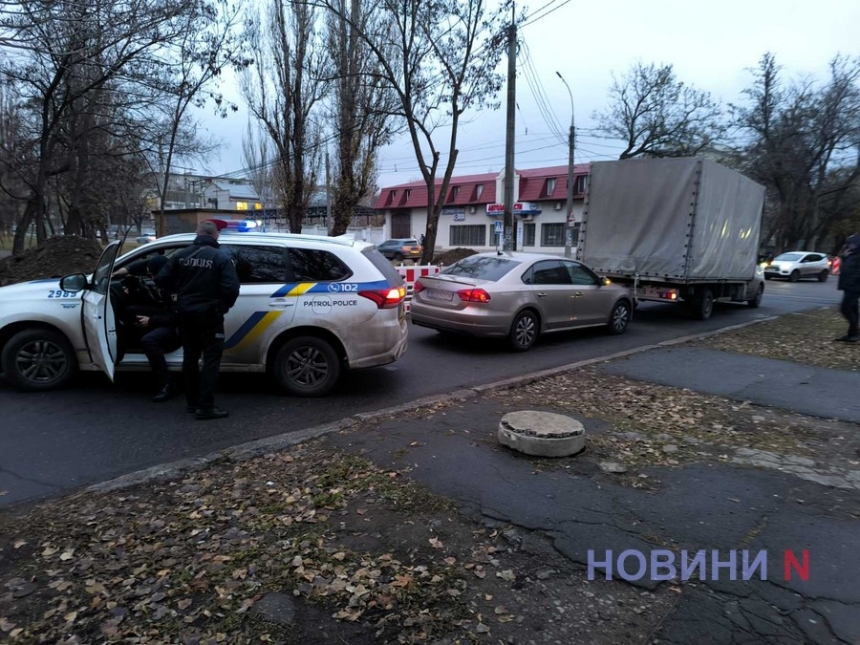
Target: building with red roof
(474, 203)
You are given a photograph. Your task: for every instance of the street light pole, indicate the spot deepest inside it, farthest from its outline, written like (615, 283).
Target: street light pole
(568, 229)
(508, 227)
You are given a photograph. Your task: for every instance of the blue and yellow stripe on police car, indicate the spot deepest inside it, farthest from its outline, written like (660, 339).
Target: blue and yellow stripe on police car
(251, 329)
(300, 289)
(294, 290)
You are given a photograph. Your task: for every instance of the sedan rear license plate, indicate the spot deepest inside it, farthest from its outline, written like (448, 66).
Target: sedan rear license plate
(436, 294)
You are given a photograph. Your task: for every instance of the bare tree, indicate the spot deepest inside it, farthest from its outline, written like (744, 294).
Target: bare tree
(190, 73)
(256, 149)
(17, 157)
(362, 105)
(803, 144)
(106, 160)
(70, 51)
(657, 115)
(440, 59)
(283, 89)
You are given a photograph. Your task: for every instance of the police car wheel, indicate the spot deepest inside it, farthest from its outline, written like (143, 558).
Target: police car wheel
(307, 366)
(38, 360)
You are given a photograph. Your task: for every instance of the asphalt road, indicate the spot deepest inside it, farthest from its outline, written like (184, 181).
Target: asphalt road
(54, 442)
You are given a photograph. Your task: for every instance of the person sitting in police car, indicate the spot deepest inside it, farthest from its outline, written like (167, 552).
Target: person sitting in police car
(151, 316)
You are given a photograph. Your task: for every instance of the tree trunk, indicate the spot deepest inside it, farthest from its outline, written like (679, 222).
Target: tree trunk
(23, 225)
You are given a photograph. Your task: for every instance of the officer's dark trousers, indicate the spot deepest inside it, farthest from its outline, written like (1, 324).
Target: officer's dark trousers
(850, 310)
(156, 343)
(201, 335)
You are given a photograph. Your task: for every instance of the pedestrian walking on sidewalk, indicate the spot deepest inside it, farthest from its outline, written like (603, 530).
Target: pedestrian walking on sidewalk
(849, 285)
(206, 286)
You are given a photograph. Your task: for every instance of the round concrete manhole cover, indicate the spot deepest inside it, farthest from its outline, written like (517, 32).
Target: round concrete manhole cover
(541, 434)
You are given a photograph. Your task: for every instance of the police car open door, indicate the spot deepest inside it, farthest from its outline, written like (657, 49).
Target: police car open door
(98, 314)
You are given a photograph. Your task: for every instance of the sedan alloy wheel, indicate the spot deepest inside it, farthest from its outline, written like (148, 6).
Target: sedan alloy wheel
(619, 318)
(524, 331)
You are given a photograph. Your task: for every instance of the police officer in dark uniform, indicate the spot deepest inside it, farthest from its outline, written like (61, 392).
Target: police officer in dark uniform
(206, 286)
(849, 285)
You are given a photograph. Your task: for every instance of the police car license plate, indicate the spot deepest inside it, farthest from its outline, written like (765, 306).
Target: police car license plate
(436, 294)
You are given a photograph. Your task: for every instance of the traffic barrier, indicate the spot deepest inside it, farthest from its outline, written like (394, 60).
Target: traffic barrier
(410, 274)
(834, 266)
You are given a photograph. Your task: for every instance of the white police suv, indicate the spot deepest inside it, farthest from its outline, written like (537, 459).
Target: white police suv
(308, 308)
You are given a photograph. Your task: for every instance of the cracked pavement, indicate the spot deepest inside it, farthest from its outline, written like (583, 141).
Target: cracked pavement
(704, 505)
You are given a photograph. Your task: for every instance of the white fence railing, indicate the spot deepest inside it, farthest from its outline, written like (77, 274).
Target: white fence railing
(410, 274)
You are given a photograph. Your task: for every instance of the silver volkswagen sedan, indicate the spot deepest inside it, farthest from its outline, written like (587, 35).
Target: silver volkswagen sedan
(519, 296)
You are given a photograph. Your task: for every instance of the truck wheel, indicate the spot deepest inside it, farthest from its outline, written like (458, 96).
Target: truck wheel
(703, 307)
(619, 318)
(524, 331)
(756, 302)
(307, 366)
(38, 360)
(822, 277)
(795, 276)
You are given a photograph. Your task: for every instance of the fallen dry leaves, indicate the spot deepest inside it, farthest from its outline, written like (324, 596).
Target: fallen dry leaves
(191, 558)
(805, 337)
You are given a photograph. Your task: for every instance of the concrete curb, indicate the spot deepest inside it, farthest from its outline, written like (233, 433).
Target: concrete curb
(280, 442)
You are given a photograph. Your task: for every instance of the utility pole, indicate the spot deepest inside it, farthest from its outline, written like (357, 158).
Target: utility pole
(327, 193)
(568, 229)
(508, 240)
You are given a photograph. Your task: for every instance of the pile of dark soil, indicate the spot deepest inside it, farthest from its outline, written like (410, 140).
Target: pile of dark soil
(453, 255)
(56, 257)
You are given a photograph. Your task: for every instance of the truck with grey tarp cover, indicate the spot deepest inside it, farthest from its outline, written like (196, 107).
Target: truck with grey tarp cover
(674, 230)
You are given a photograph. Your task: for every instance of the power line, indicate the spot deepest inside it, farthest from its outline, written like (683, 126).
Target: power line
(539, 95)
(535, 19)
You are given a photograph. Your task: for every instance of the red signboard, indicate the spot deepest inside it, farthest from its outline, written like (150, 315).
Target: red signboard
(519, 207)
(500, 208)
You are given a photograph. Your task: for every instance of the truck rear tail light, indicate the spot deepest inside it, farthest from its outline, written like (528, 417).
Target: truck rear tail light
(473, 295)
(669, 295)
(386, 298)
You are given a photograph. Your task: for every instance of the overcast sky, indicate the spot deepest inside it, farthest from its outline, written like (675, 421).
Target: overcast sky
(709, 43)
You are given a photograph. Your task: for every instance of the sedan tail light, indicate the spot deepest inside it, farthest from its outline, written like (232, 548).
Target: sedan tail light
(418, 287)
(386, 298)
(473, 295)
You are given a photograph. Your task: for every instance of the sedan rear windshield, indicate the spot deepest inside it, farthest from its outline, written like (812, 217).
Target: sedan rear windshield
(483, 268)
(789, 257)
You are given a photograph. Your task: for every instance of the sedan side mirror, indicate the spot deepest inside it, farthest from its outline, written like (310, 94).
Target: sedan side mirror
(74, 282)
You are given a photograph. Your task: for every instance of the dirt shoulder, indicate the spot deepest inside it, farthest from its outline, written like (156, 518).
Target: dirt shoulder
(805, 337)
(56, 257)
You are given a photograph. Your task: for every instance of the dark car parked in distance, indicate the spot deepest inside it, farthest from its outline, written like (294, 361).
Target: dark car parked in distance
(401, 249)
